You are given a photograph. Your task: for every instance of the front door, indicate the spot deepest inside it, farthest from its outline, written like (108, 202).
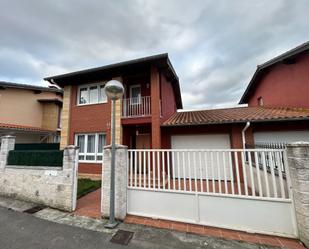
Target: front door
(143, 141)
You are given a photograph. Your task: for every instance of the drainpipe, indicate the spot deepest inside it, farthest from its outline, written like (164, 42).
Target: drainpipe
(243, 135)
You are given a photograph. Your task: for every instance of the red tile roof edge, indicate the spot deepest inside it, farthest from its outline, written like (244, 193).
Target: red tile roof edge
(24, 127)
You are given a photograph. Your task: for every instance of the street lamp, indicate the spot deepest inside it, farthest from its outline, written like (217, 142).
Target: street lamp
(114, 90)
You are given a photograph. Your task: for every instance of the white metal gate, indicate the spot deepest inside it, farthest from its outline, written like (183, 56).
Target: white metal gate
(246, 190)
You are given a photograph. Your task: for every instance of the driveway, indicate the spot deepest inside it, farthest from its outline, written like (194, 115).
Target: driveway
(19, 230)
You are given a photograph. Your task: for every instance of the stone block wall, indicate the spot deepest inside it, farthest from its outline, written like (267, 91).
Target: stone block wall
(298, 162)
(120, 182)
(52, 186)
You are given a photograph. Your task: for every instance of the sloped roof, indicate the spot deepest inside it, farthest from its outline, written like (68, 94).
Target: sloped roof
(236, 115)
(5, 84)
(261, 68)
(24, 128)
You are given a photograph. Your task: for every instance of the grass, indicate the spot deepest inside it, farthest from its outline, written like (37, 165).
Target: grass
(86, 186)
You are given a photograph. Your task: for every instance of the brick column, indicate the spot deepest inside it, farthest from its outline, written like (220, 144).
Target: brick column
(70, 167)
(298, 163)
(65, 117)
(120, 182)
(7, 144)
(155, 108)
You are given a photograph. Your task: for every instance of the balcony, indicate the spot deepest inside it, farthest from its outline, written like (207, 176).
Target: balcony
(136, 107)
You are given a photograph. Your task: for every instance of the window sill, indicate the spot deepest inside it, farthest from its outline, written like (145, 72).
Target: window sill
(100, 103)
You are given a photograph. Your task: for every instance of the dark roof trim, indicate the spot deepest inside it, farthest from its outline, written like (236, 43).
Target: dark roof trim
(240, 122)
(5, 84)
(55, 100)
(293, 52)
(53, 79)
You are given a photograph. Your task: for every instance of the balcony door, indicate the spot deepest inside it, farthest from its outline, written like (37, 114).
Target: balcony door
(135, 94)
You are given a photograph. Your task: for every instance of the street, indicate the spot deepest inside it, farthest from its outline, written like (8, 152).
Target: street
(22, 231)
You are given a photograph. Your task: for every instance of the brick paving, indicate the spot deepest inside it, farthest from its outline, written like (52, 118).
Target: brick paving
(89, 205)
(217, 232)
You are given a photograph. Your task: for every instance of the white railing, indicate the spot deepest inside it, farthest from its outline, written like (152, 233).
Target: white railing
(268, 145)
(136, 107)
(258, 173)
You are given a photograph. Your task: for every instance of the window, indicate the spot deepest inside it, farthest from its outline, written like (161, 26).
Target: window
(135, 94)
(260, 101)
(91, 94)
(90, 146)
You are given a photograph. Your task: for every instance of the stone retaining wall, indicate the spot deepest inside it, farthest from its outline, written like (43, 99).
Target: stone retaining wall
(52, 186)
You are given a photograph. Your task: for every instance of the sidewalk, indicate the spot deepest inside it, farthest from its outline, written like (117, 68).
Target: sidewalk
(144, 236)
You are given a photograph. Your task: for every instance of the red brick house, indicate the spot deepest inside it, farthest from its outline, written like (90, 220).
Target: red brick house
(147, 116)
(152, 95)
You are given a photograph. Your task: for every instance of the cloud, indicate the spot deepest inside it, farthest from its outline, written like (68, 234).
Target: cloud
(214, 45)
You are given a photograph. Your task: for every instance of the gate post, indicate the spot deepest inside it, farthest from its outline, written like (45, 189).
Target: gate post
(7, 144)
(120, 181)
(298, 163)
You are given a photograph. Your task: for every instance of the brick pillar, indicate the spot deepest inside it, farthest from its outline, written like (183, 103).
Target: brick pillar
(70, 167)
(7, 144)
(65, 117)
(298, 163)
(155, 108)
(120, 182)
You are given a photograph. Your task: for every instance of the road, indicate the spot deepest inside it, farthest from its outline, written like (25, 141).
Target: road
(24, 231)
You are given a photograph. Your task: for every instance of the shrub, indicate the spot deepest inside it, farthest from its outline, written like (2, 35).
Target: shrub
(37, 146)
(35, 157)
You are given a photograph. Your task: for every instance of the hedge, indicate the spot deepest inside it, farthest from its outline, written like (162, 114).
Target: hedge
(37, 146)
(36, 157)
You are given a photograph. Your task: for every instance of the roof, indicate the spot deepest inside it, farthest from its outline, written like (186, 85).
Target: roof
(52, 100)
(162, 61)
(5, 84)
(24, 128)
(285, 57)
(236, 115)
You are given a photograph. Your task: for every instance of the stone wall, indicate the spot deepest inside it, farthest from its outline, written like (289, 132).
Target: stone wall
(52, 186)
(120, 182)
(298, 161)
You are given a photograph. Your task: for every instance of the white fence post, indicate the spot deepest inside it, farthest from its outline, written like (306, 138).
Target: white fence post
(7, 144)
(121, 168)
(298, 163)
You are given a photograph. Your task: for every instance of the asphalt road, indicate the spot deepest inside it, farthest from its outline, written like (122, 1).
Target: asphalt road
(24, 231)
(20, 230)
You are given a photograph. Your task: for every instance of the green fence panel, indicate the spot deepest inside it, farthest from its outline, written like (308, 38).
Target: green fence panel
(35, 157)
(37, 146)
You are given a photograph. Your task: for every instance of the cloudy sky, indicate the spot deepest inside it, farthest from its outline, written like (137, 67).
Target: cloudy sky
(213, 45)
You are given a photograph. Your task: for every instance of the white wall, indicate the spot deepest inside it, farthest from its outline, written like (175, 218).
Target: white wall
(281, 136)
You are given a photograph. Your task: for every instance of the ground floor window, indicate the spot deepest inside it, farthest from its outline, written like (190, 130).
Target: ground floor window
(90, 146)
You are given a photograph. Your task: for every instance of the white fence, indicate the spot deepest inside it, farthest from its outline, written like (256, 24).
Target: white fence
(136, 107)
(237, 189)
(258, 172)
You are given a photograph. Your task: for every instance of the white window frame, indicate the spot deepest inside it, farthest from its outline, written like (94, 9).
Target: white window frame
(96, 144)
(98, 85)
(140, 95)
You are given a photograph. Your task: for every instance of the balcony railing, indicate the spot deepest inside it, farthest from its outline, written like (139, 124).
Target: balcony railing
(136, 107)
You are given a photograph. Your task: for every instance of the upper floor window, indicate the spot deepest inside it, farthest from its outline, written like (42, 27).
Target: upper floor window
(91, 94)
(260, 101)
(135, 94)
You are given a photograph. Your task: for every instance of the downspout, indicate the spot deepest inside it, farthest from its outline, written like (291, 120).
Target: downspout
(243, 135)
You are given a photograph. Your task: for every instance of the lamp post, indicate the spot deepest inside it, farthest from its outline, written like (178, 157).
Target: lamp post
(114, 90)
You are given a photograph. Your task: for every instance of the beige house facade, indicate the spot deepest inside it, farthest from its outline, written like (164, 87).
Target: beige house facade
(31, 113)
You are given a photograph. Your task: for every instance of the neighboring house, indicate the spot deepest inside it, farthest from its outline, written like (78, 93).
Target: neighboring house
(151, 96)
(147, 117)
(31, 113)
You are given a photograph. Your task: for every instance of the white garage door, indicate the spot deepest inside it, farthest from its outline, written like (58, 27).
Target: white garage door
(188, 163)
(281, 136)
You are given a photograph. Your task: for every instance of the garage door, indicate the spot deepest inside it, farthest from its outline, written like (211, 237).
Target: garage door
(212, 162)
(281, 136)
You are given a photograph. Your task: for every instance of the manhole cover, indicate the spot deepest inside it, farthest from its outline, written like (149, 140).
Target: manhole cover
(35, 209)
(122, 237)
